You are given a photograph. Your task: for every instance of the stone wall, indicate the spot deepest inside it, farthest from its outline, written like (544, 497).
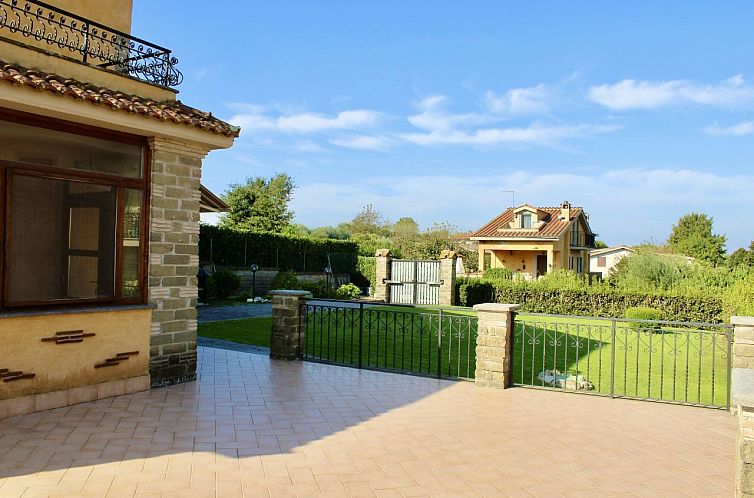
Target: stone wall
(742, 399)
(174, 260)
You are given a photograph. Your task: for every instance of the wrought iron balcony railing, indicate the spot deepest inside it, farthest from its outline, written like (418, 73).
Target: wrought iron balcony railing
(93, 43)
(582, 240)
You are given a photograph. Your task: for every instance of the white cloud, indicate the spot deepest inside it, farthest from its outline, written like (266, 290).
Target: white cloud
(255, 119)
(625, 205)
(633, 94)
(740, 129)
(363, 142)
(520, 101)
(441, 127)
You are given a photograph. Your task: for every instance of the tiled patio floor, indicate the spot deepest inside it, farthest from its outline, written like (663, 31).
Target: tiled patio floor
(252, 427)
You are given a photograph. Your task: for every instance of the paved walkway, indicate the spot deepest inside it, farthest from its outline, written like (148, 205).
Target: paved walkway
(217, 313)
(255, 427)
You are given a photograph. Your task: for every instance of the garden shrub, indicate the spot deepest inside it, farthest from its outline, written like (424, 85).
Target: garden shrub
(498, 274)
(348, 291)
(739, 298)
(223, 283)
(319, 289)
(366, 272)
(285, 280)
(642, 313)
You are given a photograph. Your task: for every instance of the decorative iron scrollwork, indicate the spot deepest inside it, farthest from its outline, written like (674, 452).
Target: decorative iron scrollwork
(92, 43)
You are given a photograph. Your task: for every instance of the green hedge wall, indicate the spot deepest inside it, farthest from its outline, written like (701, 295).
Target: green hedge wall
(230, 248)
(586, 302)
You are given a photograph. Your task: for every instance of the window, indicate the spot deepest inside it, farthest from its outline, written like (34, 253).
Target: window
(526, 220)
(602, 261)
(577, 238)
(74, 222)
(576, 263)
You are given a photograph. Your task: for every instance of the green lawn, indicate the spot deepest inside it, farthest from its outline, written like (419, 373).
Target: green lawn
(684, 365)
(255, 331)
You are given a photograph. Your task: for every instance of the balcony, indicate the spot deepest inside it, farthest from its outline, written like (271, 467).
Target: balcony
(46, 27)
(583, 240)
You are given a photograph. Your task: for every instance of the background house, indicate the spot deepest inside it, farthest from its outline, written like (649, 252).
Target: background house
(100, 169)
(535, 240)
(603, 260)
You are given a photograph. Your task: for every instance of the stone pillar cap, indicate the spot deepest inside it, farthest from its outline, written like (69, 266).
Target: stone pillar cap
(382, 253)
(496, 307)
(294, 293)
(448, 254)
(742, 320)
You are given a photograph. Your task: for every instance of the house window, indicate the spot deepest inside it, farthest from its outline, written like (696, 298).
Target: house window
(602, 261)
(74, 216)
(576, 235)
(526, 220)
(576, 263)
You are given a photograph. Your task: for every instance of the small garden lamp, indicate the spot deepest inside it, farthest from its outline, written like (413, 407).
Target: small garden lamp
(254, 267)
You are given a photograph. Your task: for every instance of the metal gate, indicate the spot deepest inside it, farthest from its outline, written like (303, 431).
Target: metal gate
(414, 282)
(671, 361)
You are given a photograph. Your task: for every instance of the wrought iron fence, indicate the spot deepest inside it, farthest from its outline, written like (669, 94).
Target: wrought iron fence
(93, 43)
(401, 338)
(677, 362)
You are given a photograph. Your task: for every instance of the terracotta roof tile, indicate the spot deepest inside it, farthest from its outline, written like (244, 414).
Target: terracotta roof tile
(553, 227)
(165, 111)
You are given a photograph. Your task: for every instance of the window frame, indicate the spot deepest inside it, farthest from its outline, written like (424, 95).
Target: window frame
(8, 169)
(526, 216)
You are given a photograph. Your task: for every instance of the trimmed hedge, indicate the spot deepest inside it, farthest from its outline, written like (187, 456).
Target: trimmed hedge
(586, 302)
(231, 248)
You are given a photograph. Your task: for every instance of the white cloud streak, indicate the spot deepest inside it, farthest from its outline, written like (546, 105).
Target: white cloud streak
(305, 123)
(441, 127)
(364, 142)
(520, 101)
(633, 94)
(740, 129)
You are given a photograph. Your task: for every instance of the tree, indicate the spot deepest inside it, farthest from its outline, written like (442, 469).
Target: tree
(599, 244)
(742, 257)
(406, 227)
(260, 204)
(692, 235)
(368, 221)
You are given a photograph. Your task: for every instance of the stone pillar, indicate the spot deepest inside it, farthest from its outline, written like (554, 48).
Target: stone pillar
(448, 277)
(481, 259)
(742, 401)
(173, 259)
(493, 344)
(382, 275)
(288, 324)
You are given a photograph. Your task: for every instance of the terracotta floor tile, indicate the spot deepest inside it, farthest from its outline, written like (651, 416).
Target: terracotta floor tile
(253, 427)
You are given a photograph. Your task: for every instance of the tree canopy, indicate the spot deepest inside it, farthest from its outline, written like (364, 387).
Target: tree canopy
(260, 204)
(692, 235)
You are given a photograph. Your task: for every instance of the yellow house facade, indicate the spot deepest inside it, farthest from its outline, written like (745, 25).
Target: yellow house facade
(100, 195)
(532, 241)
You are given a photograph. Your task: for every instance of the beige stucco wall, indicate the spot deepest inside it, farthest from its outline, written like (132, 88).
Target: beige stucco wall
(63, 366)
(114, 13)
(521, 256)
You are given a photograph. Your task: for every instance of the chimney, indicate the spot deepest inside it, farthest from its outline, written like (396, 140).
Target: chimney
(565, 211)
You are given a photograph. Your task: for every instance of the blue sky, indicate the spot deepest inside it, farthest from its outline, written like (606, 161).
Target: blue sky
(638, 111)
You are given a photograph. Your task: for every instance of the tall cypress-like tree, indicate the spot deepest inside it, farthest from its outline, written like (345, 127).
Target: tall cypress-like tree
(260, 204)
